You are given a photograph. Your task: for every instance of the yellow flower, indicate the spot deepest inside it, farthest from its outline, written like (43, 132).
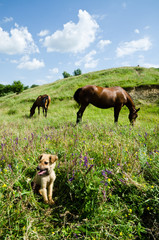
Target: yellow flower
(152, 186)
(109, 179)
(53, 233)
(148, 208)
(121, 234)
(4, 185)
(130, 210)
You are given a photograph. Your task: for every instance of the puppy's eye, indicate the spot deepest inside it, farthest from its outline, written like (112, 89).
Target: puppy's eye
(46, 163)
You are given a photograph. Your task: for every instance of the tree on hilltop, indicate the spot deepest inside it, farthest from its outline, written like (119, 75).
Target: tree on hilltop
(17, 87)
(77, 72)
(66, 74)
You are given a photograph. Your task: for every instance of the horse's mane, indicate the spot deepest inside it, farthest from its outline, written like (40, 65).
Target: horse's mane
(130, 100)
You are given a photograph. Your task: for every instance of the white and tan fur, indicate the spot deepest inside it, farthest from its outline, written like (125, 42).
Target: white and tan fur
(45, 176)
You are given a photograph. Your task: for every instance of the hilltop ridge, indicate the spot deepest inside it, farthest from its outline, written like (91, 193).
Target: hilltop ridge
(130, 78)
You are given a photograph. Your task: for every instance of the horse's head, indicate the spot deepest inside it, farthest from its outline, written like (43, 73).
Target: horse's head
(32, 111)
(133, 115)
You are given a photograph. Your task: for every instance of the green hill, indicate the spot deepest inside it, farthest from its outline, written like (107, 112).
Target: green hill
(107, 184)
(144, 81)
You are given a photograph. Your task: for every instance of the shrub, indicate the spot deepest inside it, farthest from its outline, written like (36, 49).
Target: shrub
(17, 87)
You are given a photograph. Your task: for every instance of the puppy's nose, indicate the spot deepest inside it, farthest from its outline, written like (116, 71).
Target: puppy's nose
(38, 168)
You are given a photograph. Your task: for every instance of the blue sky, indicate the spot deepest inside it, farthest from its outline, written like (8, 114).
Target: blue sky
(40, 39)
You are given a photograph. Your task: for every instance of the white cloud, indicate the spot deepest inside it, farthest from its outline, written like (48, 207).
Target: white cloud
(103, 43)
(88, 60)
(26, 63)
(52, 73)
(128, 48)
(18, 41)
(43, 33)
(150, 65)
(74, 37)
(54, 70)
(137, 31)
(7, 19)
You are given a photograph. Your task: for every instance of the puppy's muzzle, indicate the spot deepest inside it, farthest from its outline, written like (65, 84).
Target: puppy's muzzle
(41, 171)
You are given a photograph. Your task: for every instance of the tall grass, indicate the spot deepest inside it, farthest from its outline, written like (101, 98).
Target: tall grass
(106, 186)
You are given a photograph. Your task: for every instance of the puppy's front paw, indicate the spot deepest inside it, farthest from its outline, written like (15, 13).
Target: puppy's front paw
(41, 191)
(46, 201)
(51, 202)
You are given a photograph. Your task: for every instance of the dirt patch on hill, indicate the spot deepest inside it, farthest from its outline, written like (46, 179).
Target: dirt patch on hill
(150, 93)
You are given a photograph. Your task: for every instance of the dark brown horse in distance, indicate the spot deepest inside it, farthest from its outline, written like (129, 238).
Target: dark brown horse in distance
(100, 97)
(42, 101)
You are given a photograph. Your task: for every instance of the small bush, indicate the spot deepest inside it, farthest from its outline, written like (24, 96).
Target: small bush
(12, 111)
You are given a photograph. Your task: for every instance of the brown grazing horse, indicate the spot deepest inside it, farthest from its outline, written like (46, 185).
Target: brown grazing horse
(104, 98)
(42, 101)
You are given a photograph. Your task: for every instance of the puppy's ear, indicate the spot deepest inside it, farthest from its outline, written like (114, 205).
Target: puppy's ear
(40, 157)
(53, 158)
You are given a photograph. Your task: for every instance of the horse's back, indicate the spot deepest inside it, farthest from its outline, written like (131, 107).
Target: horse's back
(103, 97)
(43, 100)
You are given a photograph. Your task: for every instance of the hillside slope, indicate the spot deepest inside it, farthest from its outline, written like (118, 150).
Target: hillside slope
(141, 83)
(126, 77)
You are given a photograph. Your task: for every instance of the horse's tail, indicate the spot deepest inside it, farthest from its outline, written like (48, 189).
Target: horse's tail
(47, 101)
(76, 95)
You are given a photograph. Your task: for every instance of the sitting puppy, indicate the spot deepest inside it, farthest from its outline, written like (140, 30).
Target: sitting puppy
(45, 176)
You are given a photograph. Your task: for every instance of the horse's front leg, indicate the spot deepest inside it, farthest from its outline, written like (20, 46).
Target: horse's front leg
(39, 110)
(116, 113)
(80, 113)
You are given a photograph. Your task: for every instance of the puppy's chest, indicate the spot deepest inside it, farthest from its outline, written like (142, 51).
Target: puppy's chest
(45, 179)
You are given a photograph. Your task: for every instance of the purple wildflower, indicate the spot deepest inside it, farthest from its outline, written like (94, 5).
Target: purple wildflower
(85, 161)
(9, 165)
(103, 173)
(71, 179)
(121, 180)
(109, 172)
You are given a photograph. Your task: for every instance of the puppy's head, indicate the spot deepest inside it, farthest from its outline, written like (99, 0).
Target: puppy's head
(47, 164)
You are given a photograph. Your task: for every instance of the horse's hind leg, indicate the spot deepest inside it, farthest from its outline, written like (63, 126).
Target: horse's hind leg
(45, 112)
(80, 113)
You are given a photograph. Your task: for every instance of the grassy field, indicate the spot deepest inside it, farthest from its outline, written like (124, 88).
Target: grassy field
(107, 183)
